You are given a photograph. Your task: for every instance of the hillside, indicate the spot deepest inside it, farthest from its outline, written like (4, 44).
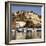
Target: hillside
(31, 19)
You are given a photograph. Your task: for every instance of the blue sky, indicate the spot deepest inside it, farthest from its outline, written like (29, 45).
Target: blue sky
(36, 9)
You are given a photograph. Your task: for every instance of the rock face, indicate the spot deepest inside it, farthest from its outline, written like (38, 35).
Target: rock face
(27, 19)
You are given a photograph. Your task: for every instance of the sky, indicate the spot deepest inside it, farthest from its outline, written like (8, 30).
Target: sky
(36, 9)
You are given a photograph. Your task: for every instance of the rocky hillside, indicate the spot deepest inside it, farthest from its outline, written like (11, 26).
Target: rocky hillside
(31, 19)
